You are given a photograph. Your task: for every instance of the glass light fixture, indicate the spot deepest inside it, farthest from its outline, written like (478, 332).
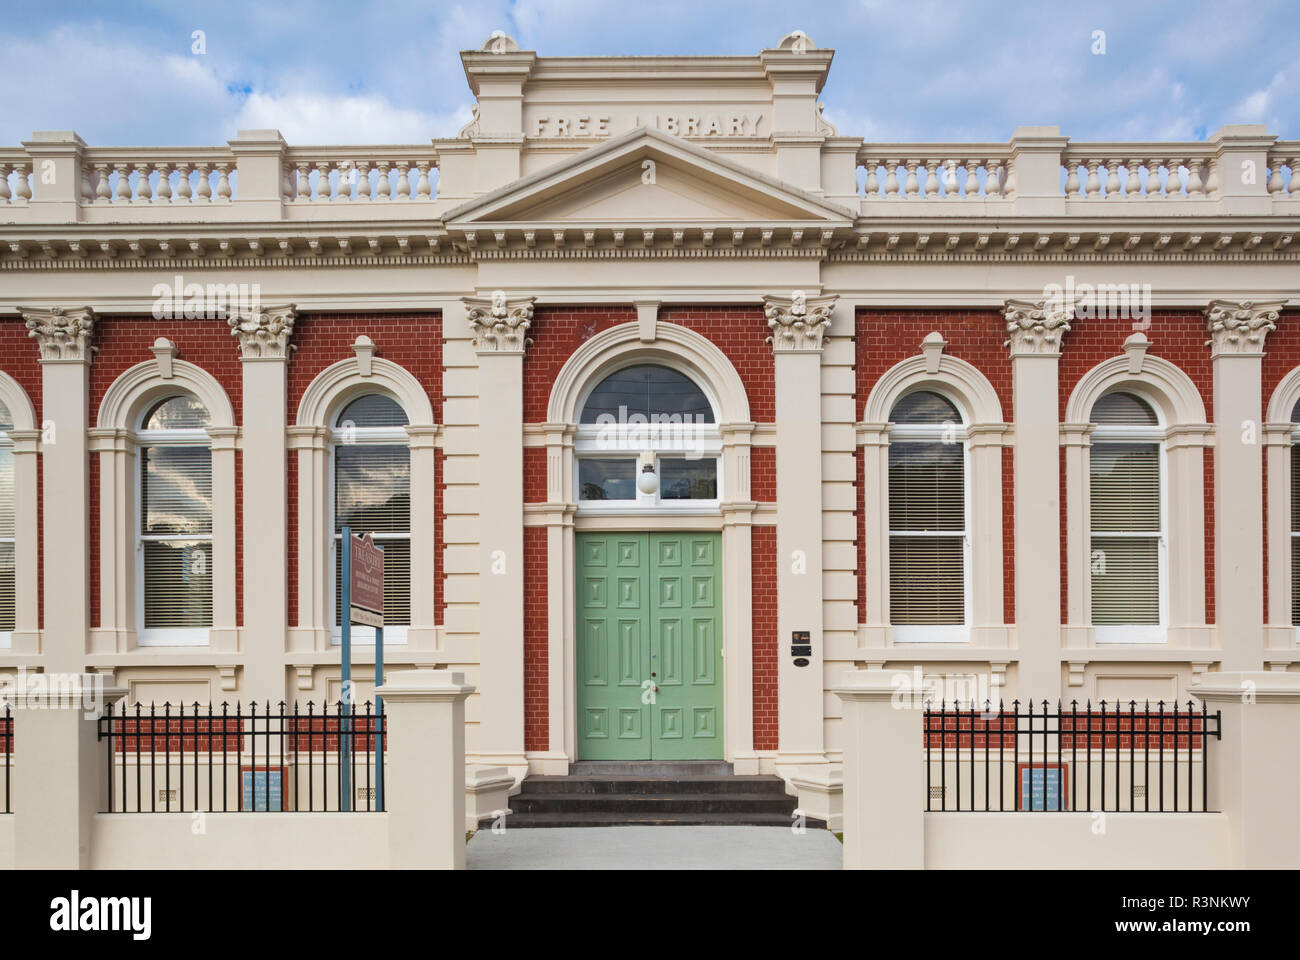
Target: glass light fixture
(648, 481)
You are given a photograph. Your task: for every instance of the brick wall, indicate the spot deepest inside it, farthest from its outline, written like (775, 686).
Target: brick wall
(536, 646)
(763, 571)
(410, 340)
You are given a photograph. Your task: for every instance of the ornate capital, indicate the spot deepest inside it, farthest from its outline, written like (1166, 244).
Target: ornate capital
(500, 325)
(1239, 328)
(1035, 328)
(798, 324)
(264, 332)
(63, 335)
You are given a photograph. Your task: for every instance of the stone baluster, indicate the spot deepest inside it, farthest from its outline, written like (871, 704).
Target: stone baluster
(1195, 187)
(1112, 180)
(913, 186)
(323, 189)
(363, 180)
(4, 185)
(1009, 179)
(184, 192)
(972, 179)
(992, 182)
(24, 189)
(143, 192)
(204, 192)
(1072, 179)
(423, 190)
(123, 172)
(164, 192)
(87, 192)
(1133, 188)
(1212, 181)
(1294, 164)
(1093, 186)
(103, 192)
(1154, 191)
(383, 190)
(1174, 183)
(345, 169)
(931, 179)
(873, 185)
(1275, 178)
(304, 181)
(403, 184)
(891, 179)
(286, 185)
(224, 193)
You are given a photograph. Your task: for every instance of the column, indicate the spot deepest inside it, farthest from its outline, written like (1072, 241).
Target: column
(500, 327)
(1034, 332)
(1237, 331)
(798, 326)
(264, 350)
(64, 340)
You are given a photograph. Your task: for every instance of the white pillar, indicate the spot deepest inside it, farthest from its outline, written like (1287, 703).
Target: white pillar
(1034, 334)
(798, 326)
(1237, 332)
(64, 339)
(500, 329)
(424, 776)
(884, 771)
(60, 777)
(1254, 770)
(264, 349)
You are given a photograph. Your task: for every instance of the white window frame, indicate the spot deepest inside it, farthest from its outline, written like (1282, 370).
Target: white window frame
(358, 436)
(930, 433)
(7, 443)
(165, 636)
(663, 441)
(1119, 433)
(1292, 533)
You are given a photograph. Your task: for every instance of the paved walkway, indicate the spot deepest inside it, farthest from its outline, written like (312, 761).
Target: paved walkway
(655, 848)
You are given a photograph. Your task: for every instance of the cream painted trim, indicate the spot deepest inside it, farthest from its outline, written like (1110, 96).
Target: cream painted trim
(682, 349)
(985, 434)
(114, 439)
(25, 636)
(329, 392)
(1182, 414)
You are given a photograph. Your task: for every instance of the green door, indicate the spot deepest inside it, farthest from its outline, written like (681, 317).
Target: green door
(649, 646)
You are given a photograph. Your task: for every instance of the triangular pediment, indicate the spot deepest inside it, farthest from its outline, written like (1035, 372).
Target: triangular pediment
(646, 176)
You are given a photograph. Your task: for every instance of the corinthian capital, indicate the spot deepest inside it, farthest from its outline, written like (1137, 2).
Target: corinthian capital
(63, 335)
(1035, 327)
(500, 325)
(1239, 327)
(264, 332)
(798, 324)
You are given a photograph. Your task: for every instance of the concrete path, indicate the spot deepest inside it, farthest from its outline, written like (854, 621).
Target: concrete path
(655, 848)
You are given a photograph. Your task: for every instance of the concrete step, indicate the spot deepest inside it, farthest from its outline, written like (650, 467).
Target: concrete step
(657, 785)
(655, 803)
(651, 768)
(539, 820)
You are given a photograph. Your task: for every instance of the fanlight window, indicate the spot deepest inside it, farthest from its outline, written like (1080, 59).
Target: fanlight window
(647, 415)
(927, 512)
(372, 495)
(8, 597)
(1126, 519)
(175, 521)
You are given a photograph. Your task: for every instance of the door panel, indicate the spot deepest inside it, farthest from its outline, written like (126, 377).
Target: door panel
(648, 612)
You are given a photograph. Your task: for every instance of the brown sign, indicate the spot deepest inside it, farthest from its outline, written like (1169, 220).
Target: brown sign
(367, 583)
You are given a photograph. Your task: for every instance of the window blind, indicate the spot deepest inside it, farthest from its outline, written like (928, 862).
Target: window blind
(927, 520)
(1125, 524)
(1295, 535)
(7, 589)
(176, 535)
(372, 495)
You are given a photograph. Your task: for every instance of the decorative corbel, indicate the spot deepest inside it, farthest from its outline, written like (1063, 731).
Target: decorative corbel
(1035, 327)
(798, 324)
(62, 335)
(501, 324)
(1240, 327)
(165, 351)
(364, 348)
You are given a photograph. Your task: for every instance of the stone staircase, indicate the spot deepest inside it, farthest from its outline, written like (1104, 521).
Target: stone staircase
(688, 793)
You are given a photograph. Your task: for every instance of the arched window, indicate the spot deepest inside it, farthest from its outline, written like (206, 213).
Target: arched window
(927, 516)
(8, 595)
(1295, 515)
(372, 495)
(175, 522)
(1126, 519)
(647, 415)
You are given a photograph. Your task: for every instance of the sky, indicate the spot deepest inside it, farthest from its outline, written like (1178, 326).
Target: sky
(131, 72)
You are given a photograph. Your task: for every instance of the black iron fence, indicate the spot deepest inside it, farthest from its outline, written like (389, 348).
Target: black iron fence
(179, 759)
(7, 755)
(1107, 757)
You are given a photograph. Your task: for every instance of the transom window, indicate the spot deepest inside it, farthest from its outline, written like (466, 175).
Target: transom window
(1126, 519)
(928, 545)
(175, 522)
(372, 495)
(8, 598)
(647, 415)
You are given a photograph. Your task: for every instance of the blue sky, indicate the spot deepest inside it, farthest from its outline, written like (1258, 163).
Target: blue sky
(388, 71)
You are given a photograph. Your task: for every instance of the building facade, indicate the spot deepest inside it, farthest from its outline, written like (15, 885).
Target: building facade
(669, 404)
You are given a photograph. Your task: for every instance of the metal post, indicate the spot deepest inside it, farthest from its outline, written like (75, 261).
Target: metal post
(377, 740)
(345, 708)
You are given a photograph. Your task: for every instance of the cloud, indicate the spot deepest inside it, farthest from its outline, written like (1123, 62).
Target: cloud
(308, 118)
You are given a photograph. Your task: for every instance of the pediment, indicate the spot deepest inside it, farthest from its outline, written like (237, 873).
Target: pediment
(646, 176)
